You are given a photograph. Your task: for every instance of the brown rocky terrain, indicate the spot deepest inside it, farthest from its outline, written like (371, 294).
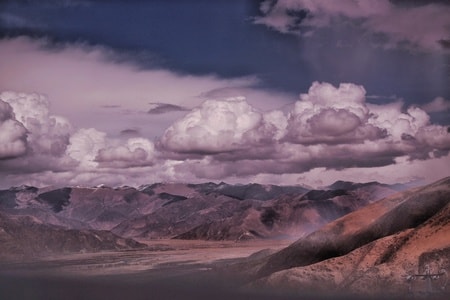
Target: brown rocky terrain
(370, 251)
(288, 216)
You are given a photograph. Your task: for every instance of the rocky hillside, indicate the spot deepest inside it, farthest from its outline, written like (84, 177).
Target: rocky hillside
(371, 250)
(288, 216)
(27, 237)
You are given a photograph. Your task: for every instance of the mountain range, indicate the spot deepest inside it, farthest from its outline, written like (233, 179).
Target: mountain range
(363, 238)
(207, 211)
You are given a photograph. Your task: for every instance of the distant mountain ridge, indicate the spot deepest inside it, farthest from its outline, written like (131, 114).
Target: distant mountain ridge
(207, 211)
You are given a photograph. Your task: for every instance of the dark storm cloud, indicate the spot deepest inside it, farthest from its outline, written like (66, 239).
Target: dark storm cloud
(130, 132)
(422, 26)
(332, 157)
(150, 33)
(65, 3)
(110, 106)
(445, 43)
(163, 108)
(13, 21)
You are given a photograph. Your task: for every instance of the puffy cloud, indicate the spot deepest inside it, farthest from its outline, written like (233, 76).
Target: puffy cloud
(277, 122)
(347, 95)
(340, 116)
(84, 146)
(424, 26)
(34, 133)
(218, 126)
(93, 150)
(334, 122)
(136, 152)
(396, 122)
(329, 127)
(434, 136)
(37, 138)
(12, 133)
(327, 114)
(34, 141)
(47, 134)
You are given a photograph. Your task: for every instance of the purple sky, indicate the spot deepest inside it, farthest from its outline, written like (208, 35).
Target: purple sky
(282, 92)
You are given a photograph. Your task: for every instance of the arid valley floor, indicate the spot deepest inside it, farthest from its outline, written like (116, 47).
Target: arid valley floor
(169, 268)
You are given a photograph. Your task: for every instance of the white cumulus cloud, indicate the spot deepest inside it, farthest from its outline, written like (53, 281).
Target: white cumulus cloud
(47, 134)
(328, 127)
(84, 146)
(137, 152)
(327, 114)
(12, 133)
(216, 126)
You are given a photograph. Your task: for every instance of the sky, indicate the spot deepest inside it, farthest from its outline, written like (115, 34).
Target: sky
(276, 91)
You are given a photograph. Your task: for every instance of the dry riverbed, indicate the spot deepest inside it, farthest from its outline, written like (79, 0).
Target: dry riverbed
(168, 269)
(161, 254)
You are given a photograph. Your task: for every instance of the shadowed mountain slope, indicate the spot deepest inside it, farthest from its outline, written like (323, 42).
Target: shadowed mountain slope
(382, 266)
(288, 216)
(385, 217)
(401, 231)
